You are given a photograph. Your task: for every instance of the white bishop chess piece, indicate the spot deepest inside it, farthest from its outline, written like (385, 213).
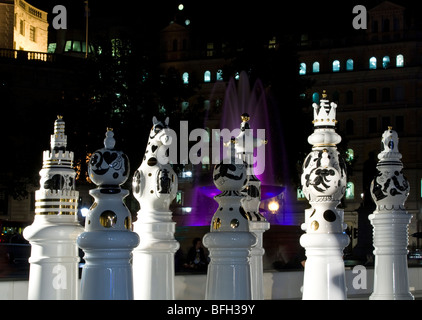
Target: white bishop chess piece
(390, 220)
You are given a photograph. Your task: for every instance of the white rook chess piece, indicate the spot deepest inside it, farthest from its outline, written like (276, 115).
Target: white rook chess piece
(245, 143)
(324, 183)
(108, 240)
(155, 185)
(54, 253)
(390, 189)
(230, 241)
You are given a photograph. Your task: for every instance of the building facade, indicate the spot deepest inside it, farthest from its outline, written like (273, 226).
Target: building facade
(375, 79)
(23, 26)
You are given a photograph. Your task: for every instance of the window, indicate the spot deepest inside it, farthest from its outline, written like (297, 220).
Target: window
(315, 67)
(77, 46)
(336, 66)
(386, 25)
(399, 93)
(350, 155)
(68, 46)
(350, 190)
(349, 65)
(22, 27)
(302, 69)
(301, 196)
(373, 63)
(272, 44)
(372, 95)
(219, 75)
(175, 45)
(315, 97)
(32, 33)
(185, 78)
(51, 47)
(386, 62)
(185, 105)
(385, 95)
(399, 61)
(210, 49)
(207, 76)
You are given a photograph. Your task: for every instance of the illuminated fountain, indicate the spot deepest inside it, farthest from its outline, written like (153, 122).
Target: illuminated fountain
(241, 98)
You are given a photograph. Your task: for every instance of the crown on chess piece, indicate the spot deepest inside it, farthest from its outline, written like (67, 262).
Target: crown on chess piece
(325, 112)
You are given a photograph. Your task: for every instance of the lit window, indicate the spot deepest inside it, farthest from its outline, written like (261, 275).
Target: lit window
(237, 76)
(386, 62)
(76, 46)
(350, 155)
(51, 47)
(185, 105)
(68, 46)
(300, 195)
(32, 33)
(207, 76)
(219, 75)
(272, 44)
(350, 190)
(400, 61)
(336, 66)
(315, 67)
(349, 65)
(185, 78)
(315, 97)
(373, 63)
(210, 49)
(302, 69)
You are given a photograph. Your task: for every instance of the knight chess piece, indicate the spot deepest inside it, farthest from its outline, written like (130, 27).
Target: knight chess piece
(390, 220)
(54, 253)
(108, 240)
(324, 184)
(155, 185)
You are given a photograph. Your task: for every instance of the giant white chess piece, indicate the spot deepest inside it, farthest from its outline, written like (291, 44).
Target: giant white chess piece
(324, 183)
(244, 145)
(108, 240)
(155, 185)
(54, 253)
(389, 190)
(230, 241)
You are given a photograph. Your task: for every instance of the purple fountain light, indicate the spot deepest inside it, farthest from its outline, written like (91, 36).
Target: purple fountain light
(241, 98)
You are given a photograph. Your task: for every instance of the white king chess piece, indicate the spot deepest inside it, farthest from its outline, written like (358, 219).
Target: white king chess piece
(155, 186)
(324, 184)
(390, 220)
(108, 240)
(54, 253)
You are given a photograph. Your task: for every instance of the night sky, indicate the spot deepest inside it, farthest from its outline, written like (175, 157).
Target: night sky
(219, 17)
